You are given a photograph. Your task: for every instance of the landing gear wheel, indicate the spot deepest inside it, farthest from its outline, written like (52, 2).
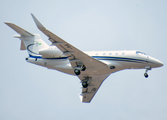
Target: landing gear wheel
(85, 84)
(77, 72)
(146, 75)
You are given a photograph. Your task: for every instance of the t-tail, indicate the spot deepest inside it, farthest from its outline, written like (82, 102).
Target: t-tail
(30, 42)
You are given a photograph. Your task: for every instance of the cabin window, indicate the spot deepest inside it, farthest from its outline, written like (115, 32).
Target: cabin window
(110, 53)
(123, 53)
(96, 53)
(138, 52)
(144, 53)
(116, 53)
(104, 53)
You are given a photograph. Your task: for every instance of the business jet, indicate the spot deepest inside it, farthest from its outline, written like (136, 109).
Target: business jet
(92, 68)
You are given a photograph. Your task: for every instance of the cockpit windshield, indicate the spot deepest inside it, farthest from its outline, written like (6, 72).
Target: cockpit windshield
(138, 52)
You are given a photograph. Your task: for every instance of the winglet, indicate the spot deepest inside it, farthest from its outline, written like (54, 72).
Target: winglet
(38, 24)
(81, 97)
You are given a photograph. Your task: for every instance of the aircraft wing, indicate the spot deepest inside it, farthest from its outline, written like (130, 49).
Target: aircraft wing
(89, 92)
(74, 55)
(94, 68)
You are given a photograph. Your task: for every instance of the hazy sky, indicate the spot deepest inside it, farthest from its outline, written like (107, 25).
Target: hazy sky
(30, 92)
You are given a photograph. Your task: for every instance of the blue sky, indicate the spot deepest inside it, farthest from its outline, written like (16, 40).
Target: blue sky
(32, 92)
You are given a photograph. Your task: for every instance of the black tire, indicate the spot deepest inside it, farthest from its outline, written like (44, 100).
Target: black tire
(77, 72)
(85, 84)
(146, 75)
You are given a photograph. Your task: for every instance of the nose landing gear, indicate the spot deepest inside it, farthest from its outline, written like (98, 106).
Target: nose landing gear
(146, 74)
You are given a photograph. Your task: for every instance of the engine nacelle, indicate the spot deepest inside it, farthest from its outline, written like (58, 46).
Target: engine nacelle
(50, 52)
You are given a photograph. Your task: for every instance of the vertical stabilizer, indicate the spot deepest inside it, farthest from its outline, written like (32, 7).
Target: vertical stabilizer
(22, 46)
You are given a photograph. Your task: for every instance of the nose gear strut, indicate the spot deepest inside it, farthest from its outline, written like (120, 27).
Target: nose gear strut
(147, 68)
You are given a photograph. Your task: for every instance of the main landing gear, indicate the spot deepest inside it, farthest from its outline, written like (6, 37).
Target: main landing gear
(146, 74)
(78, 70)
(86, 82)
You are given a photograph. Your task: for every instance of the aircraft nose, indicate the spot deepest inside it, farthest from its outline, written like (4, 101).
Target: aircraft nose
(156, 63)
(160, 63)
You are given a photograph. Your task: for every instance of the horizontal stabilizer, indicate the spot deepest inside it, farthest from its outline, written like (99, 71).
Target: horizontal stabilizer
(19, 30)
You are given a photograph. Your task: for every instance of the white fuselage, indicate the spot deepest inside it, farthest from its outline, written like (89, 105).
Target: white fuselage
(120, 59)
(92, 68)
